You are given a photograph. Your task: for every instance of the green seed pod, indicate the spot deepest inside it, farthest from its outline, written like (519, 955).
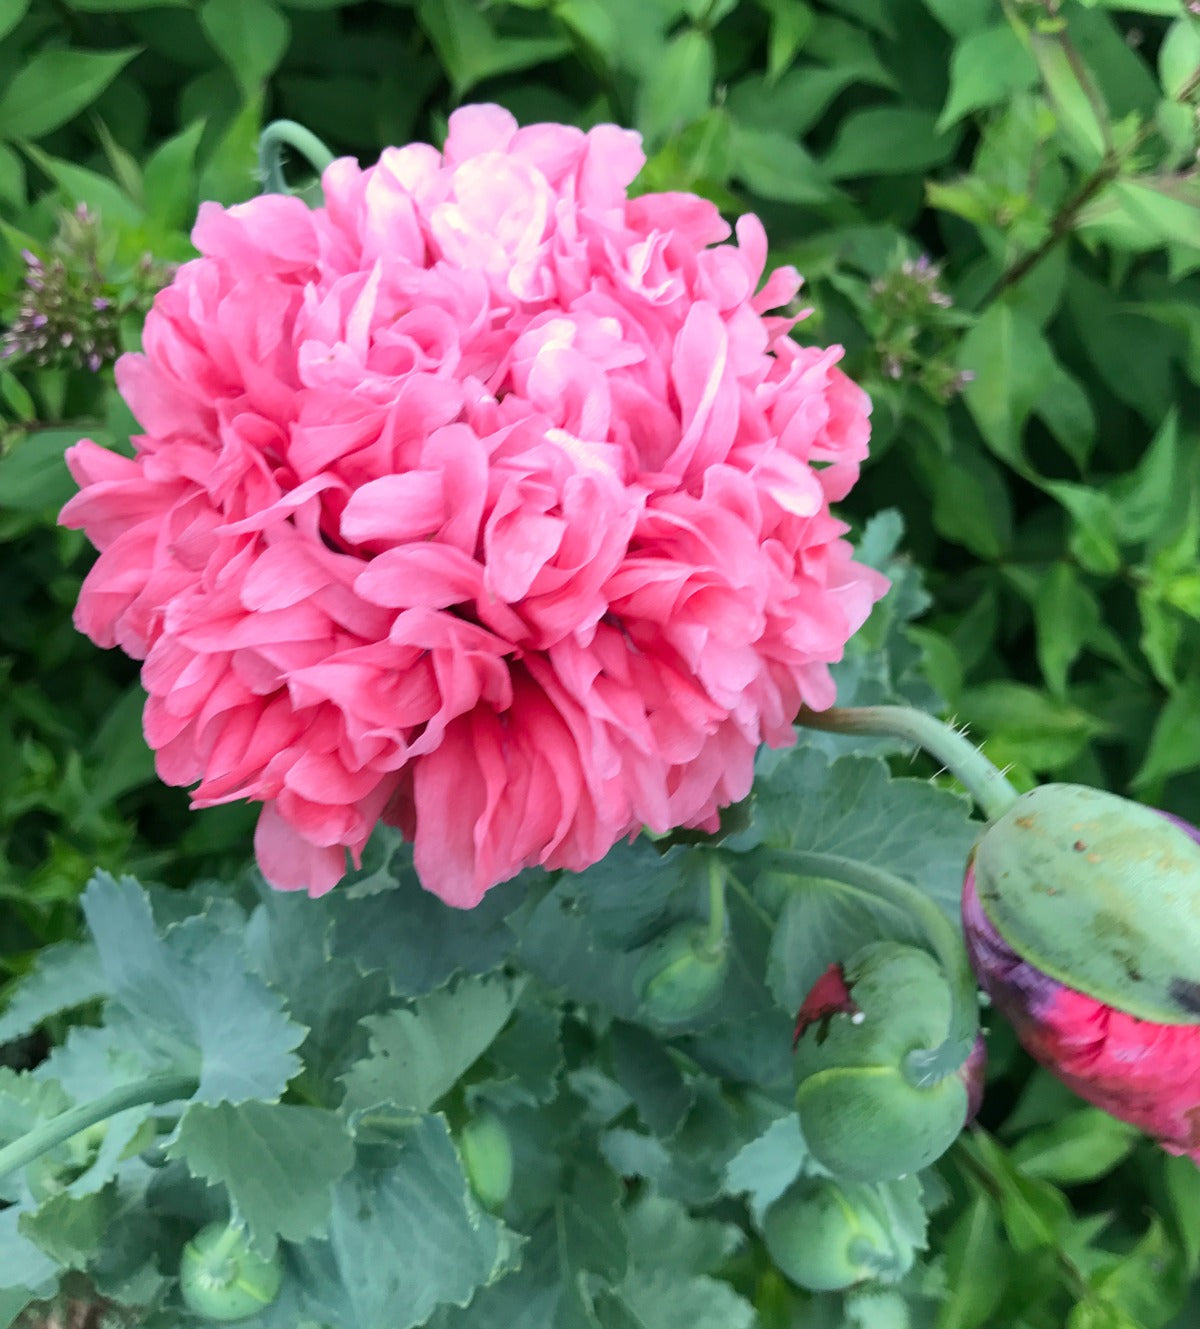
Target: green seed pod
(827, 1235)
(222, 1278)
(681, 975)
(1099, 893)
(861, 1114)
(487, 1156)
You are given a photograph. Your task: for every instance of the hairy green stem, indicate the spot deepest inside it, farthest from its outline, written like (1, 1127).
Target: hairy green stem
(924, 1066)
(715, 940)
(287, 133)
(165, 1088)
(986, 785)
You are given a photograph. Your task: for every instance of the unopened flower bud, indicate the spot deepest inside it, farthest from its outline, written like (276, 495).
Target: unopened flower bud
(487, 1156)
(223, 1278)
(863, 1113)
(1082, 918)
(826, 1235)
(681, 974)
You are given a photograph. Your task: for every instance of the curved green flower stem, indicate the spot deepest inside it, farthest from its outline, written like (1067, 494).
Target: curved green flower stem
(164, 1088)
(923, 1066)
(715, 940)
(986, 785)
(287, 133)
(217, 1255)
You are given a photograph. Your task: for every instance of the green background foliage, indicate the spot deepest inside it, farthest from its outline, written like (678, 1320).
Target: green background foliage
(996, 206)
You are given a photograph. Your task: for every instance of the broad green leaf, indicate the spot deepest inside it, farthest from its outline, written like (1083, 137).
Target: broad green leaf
(24, 1104)
(971, 502)
(870, 1308)
(1141, 497)
(69, 1228)
(1170, 8)
(1012, 361)
(679, 88)
(591, 1230)
(418, 1055)
(1067, 616)
(287, 944)
(542, 1294)
(1179, 56)
(1161, 636)
(118, 756)
(1078, 105)
(33, 476)
(791, 22)
(776, 167)
(53, 86)
(662, 1299)
(851, 807)
(1080, 1147)
(1035, 1214)
(169, 179)
(987, 67)
(21, 1259)
(79, 185)
(1175, 739)
(123, 6)
(415, 939)
(663, 1235)
(405, 1236)
(763, 1169)
(230, 174)
(12, 177)
(1024, 725)
(529, 1050)
(1095, 536)
(11, 13)
(251, 36)
(892, 140)
(1182, 1182)
(648, 1073)
(976, 1261)
(1141, 214)
(277, 1161)
(1066, 410)
(1149, 1283)
(62, 977)
(194, 1003)
(823, 923)
(470, 51)
(962, 17)
(791, 105)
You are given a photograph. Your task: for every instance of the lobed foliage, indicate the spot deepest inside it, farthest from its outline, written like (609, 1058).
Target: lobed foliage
(996, 206)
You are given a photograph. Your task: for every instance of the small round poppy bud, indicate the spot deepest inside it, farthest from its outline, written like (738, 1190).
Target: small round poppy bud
(863, 1113)
(223, 1278)
(827, 1235)
(681, 974)
(487, 1156)
(1081, 912)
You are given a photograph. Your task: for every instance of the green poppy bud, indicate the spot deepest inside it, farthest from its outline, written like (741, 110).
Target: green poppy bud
(863, 1115)
(223, 1278)
(826, 1235)
(487, 1157)
(681, 974)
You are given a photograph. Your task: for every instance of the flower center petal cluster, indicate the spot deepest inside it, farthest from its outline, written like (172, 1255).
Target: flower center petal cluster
(484, 500)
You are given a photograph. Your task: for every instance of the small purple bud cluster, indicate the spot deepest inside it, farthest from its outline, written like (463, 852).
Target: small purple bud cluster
(71, 307)
(913, 326)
